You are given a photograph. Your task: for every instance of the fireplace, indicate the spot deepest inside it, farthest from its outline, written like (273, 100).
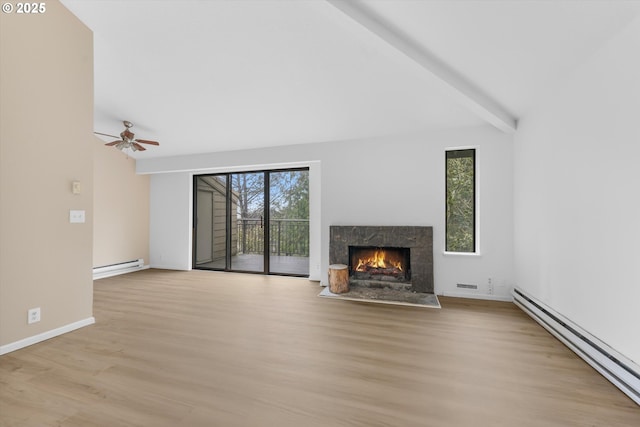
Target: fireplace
(393, 256)
(387, 264)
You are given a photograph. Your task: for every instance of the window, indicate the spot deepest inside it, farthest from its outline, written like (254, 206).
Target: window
(461, 201)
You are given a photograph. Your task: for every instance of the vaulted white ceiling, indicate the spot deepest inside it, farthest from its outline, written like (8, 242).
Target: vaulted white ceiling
(205, 76)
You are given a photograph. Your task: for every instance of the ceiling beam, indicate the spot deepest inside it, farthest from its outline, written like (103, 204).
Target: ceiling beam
(457, 86)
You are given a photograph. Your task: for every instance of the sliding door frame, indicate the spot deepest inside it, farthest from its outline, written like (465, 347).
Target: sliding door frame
(229, 222)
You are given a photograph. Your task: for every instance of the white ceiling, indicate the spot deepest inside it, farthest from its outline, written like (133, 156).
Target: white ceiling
(205, 76)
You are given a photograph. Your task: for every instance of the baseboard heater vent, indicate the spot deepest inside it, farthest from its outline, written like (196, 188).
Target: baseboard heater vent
(622, 372)
(465, 286)
(119, 268)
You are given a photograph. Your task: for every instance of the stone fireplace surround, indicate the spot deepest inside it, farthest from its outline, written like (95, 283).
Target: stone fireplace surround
(418, 239)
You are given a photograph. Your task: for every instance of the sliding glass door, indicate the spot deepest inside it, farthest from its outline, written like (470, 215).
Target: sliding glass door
(247, 222)
(289, 222)
(252, 222)
(210, 221)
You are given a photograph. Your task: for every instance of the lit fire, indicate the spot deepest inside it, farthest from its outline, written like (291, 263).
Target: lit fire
(377, 260)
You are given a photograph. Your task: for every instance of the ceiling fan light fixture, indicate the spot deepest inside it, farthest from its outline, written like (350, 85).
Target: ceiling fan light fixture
(127, 139)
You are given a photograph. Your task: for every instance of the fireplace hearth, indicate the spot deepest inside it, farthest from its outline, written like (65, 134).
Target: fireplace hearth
(398, 257)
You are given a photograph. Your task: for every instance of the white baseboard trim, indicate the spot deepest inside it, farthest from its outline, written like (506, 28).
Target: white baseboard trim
(614, 366)
(490, 297)
(117, 269)
(17, 345)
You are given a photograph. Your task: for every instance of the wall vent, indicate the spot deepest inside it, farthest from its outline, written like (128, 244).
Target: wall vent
(467, 286)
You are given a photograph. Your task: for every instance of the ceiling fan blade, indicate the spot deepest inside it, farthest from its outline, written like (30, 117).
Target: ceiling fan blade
(106, 134)
(113, 143)
(138, 146)
(146, 141)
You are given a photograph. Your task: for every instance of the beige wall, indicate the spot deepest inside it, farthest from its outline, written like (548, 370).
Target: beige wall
(121, 208)
(46, 142)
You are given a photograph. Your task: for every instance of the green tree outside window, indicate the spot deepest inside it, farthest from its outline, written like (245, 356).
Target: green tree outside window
(460, 204)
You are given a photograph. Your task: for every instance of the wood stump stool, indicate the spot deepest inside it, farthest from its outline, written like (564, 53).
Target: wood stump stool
(338, 278)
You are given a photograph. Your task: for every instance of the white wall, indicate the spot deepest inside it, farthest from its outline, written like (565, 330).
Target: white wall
(385, 181)
(577, 204)
(170, 211)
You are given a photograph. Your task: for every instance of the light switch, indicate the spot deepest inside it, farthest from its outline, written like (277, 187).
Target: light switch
(76, 217)
(75, 187)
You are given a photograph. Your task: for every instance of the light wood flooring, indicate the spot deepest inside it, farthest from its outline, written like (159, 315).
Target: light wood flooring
(205, 348)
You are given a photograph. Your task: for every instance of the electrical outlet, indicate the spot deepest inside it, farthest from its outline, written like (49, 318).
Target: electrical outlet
(33, 315)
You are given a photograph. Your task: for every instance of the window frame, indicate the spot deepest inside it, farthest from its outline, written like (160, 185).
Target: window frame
(267, 270)
(476, 204)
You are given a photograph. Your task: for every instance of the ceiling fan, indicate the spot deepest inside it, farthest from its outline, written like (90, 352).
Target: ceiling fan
(126, 139)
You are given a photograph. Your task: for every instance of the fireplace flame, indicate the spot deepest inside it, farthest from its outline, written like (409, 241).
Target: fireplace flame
(377, 260)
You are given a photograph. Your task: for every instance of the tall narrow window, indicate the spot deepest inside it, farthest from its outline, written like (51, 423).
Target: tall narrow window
(461, 201)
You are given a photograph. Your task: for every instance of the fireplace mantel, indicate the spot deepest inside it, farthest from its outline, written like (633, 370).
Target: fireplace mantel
(418, 239)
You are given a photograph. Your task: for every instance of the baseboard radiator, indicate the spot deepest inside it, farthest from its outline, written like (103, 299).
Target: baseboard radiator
(618, 369)
(119, 268)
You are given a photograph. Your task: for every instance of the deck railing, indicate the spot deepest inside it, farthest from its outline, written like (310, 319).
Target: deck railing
(288, 237)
